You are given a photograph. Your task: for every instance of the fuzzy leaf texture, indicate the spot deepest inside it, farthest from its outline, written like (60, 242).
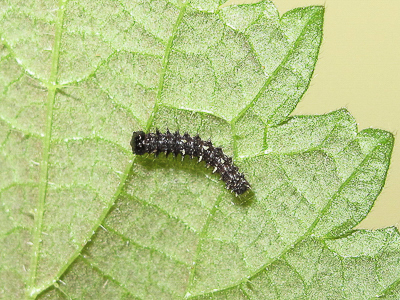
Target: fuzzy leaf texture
(81, 217)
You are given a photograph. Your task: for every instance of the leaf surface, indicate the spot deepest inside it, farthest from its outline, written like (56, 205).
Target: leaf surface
(82, 218)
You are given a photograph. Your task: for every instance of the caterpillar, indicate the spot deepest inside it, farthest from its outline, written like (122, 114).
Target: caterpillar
(175, 143)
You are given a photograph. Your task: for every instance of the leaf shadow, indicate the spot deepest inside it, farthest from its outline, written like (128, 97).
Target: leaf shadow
(193, 169)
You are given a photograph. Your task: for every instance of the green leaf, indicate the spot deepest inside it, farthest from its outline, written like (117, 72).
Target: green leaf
(358, 266)
(82, 218)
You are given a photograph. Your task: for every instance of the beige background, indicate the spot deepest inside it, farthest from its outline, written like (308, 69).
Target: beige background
(359, 68)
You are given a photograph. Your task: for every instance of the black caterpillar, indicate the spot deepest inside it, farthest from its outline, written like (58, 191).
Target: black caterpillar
(194, 147)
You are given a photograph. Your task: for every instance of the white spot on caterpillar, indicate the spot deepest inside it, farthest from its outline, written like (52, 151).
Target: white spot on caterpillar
(104, 285)
(59, 280)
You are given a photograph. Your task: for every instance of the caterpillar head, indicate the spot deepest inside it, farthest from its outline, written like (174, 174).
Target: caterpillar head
(137, 142)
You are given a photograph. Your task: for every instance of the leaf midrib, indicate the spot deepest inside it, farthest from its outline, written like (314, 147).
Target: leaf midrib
(31, 292)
